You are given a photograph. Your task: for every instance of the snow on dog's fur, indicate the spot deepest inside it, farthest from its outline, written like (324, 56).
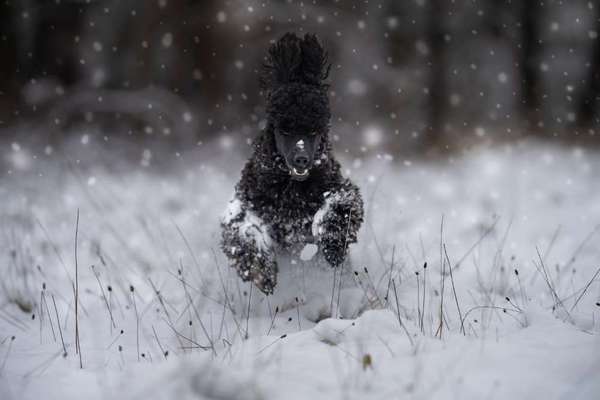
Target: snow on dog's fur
(292, 191)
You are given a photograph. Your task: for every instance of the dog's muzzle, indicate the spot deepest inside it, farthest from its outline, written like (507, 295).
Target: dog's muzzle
(300, 162)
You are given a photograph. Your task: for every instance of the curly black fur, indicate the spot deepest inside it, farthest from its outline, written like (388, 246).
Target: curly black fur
(295, 60)
(270, 211)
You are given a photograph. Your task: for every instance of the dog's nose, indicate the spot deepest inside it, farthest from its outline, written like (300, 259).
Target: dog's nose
(301, 161)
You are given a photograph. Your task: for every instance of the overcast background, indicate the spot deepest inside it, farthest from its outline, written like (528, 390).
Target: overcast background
(408, 76)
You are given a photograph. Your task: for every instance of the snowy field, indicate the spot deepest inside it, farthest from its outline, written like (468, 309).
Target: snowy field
(512, 273)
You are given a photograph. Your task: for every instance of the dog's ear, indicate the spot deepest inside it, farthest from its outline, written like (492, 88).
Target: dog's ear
(294, 60)
(314, 67)
(282, 62)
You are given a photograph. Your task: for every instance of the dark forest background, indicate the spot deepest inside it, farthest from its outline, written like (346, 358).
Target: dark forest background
(411, 75)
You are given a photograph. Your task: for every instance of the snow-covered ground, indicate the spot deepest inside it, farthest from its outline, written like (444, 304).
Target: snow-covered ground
(160, 315)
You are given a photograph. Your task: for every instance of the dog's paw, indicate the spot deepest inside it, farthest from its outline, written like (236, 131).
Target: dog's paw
(336, 224)
(334, 247)
(264, 275)
(260, 269)
(335, 232)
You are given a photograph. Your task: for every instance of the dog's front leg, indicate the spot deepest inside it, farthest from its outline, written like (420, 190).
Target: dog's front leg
(248, 246)
(337, 222)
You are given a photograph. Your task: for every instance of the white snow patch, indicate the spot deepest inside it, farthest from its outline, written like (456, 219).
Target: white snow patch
(308, 252)
(251, 227)
(544, 199)
(316, 227)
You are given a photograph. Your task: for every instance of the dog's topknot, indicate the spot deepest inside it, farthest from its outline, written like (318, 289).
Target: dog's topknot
(295, 60)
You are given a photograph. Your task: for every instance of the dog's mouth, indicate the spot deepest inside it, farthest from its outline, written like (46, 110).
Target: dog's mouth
(299, 174)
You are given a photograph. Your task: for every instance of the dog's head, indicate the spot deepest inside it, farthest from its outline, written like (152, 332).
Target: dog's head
(298, 113)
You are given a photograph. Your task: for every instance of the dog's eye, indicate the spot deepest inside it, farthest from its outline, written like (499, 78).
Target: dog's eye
(284, 133)
(313, 133)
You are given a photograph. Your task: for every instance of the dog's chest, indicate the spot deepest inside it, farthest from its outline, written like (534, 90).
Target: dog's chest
(289, 222)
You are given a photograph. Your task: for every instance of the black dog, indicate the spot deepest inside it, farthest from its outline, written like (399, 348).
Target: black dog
(292, 191)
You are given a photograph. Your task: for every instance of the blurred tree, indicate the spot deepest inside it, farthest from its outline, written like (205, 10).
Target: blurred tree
(39, 48)
(563, 33)
(589, 107)
(409, 60)
(472, 72)
(438, 93)
(8, 67)
(529, 64)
